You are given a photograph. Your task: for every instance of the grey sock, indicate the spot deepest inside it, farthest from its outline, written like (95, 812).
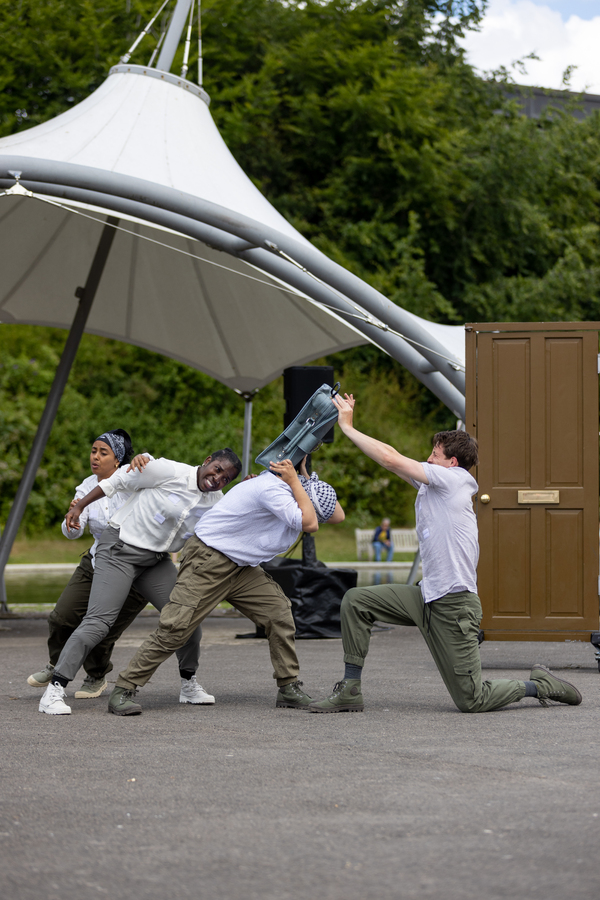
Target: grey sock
(352, 671)
(530, 689)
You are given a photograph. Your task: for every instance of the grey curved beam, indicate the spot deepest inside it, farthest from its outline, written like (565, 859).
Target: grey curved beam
(172, 200)
(268, 262)
(395, 346)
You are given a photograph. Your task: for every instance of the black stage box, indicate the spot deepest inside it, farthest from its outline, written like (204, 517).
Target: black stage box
(315, 592)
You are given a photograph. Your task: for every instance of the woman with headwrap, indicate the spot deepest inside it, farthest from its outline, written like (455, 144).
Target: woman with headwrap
(110, 451)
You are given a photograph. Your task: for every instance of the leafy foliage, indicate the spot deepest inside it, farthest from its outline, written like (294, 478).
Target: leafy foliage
(362, 123)
(174, 411)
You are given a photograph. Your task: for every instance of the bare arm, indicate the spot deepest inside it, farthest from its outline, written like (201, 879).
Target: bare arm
(75, 510)
(287, 473)
(338, 515)
(383, 454)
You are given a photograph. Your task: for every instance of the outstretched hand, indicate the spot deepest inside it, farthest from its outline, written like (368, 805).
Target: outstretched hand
(345, 408)
(72, 517)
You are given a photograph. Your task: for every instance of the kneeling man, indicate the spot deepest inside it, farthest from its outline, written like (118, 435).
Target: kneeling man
(445, 606)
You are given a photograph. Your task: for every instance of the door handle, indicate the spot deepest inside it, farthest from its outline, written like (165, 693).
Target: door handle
(485, 498)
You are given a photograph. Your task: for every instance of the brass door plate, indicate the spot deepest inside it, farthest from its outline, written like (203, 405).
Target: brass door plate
(538, 496)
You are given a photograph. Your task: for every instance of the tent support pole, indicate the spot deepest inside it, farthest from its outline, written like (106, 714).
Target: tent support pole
(86, 298)
(248, 398)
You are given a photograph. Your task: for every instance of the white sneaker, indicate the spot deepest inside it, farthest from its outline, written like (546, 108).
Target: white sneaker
(52, 701)
(192, 692)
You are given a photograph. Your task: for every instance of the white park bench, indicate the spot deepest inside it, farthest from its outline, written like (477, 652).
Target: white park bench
(403, 539)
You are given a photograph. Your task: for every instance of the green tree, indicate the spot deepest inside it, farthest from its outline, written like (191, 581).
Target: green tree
(364, 125)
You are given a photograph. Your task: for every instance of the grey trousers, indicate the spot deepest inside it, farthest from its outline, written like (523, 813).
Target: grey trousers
(450, 627)
(68, 614)
(118, 566)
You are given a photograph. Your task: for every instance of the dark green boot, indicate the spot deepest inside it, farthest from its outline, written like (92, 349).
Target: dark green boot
(549, 687)
(291, 696)
(346, 697)
(122, 702)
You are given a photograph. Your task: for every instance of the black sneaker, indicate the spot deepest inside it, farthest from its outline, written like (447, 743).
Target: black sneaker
(549, 687)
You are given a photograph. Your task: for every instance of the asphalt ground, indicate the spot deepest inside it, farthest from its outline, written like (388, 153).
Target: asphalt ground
(240, 801)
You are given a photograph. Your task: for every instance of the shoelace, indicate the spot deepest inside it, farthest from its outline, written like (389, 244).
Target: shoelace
(551, 695)
(192, 686)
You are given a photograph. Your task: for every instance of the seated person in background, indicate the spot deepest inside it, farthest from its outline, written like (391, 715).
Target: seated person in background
(254, 522)
(382, 541)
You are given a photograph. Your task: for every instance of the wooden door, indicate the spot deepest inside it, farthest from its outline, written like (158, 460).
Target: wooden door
(532, 402)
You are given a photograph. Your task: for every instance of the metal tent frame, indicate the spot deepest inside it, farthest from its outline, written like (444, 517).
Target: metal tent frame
(122, 201)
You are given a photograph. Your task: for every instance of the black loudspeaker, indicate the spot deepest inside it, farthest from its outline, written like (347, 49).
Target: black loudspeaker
(299, 384)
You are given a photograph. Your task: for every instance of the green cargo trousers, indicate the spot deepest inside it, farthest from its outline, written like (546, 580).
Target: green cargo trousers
(206, 578)
(450, 627)
(68, 614)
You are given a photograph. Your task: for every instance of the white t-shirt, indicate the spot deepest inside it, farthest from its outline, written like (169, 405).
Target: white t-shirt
(447, 531)
(255, 521)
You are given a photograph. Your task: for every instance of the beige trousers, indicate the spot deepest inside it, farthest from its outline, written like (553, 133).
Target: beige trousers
(206, 578)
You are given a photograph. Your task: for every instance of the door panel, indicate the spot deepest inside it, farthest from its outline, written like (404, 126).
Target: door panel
(564, 538)
(532, 401)
(512, 562)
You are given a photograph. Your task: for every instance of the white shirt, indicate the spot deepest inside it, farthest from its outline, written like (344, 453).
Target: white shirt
(255, 521)
(447, 531)
(164, 505)
(96, 516)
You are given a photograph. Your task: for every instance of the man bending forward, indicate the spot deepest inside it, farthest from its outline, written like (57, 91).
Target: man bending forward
(254, 522)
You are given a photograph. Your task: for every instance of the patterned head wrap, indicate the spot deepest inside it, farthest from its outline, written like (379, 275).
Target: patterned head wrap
(323, 497)
(116, 442)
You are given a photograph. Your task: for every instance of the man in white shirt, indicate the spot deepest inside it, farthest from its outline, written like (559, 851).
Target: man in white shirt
(445, 606)
(253, 523)
(167, 499)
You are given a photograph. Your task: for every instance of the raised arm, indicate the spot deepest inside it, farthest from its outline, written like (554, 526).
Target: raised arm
(288, 474)
(383, 454)
(338, 514)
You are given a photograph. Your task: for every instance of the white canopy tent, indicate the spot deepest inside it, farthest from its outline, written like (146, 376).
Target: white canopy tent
(187, 257)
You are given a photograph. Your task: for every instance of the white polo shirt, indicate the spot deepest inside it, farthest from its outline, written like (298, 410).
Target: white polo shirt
(164, 505)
